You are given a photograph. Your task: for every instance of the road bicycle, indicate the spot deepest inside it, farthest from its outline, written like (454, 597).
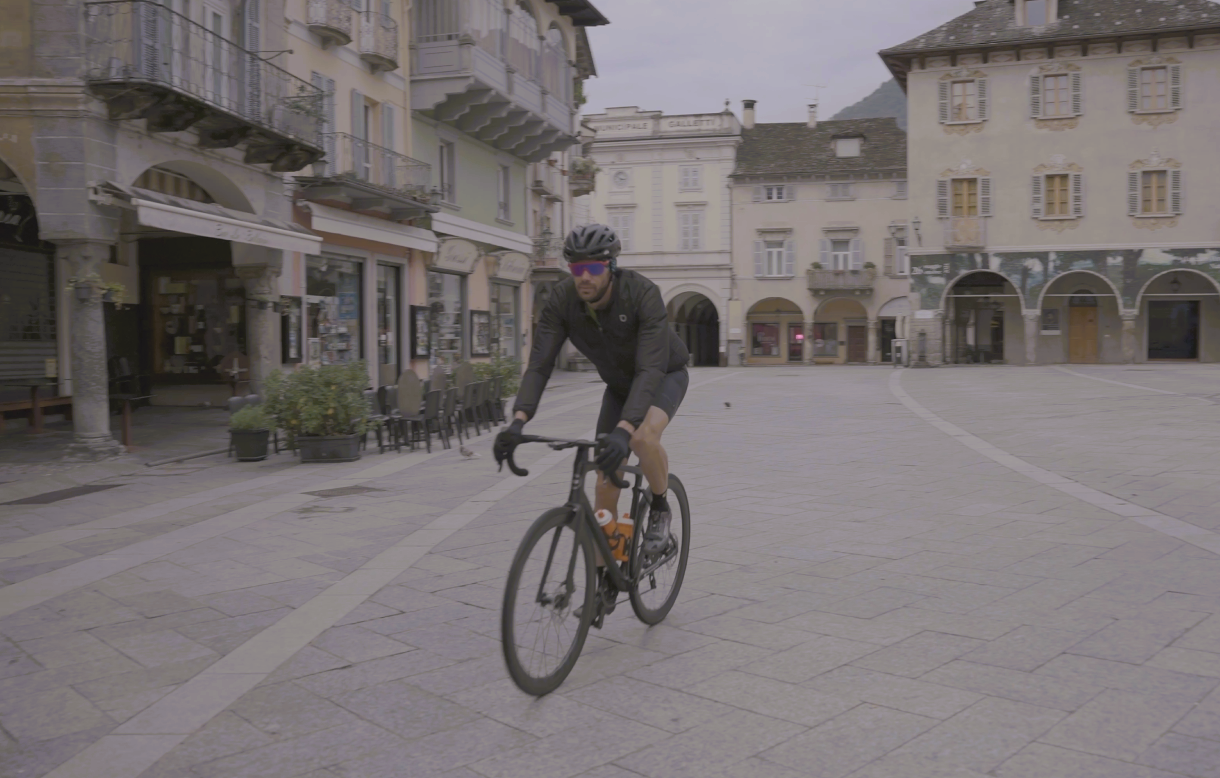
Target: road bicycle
(556, 591)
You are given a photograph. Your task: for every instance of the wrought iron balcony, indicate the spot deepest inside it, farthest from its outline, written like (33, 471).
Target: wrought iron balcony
(332, 21)
(479, 70)
(148, 62)
(965, 232)
(379, 41)
(369, 178)
(854, 282)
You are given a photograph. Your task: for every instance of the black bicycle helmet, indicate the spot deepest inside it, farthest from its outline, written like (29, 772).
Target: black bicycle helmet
(592, 242)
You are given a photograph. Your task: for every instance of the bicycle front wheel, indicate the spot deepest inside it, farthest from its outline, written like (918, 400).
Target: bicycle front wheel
(659, 577)
(548, 602)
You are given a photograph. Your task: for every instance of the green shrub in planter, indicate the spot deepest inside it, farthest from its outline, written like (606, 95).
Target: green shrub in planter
(323, 402)
(250, 429)
(509, 371)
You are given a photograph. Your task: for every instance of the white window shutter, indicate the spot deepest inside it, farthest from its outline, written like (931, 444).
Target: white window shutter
(152, 23)
(1035, 96)
(1133, 193)
(985, 196)
(760, 259)
(790, 257)
(889, 256)
(944, 101)
(758, 194)
(697, 177)
(1175, 87)
(1036, 200)
(360, 152)
(942, 198)
(1078, 195)
(1175, 192)
(824, 254)
(1077, 94)
(254, 86)
(1133, 89)
(388, 129)
(984, 111)
(857, 254)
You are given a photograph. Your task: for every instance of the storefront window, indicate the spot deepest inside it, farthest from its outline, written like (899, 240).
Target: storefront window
(198, 320)
(764, 340)
(445, 293)
(389, 322)
(332, 291)
(504, 320)
(826, 340)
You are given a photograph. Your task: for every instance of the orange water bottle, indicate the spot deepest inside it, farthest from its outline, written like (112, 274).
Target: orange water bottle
(618, 542)
(625, 529)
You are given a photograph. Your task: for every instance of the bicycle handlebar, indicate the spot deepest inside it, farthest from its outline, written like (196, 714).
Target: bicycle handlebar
(559, 444)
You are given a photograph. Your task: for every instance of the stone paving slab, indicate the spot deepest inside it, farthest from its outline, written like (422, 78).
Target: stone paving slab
(867, 596)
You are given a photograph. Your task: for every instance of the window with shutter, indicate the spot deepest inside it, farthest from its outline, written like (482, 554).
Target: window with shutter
(775, 194)
(1077, 94)
(254, 86)
(1133, 89)
(623, 224)
(1036, 206)
(1175, 192)
(758, 194)
(1035, 96)
(789, 258)
(690, 223)
(1175, 87)
(760, 266)
(889, 246)
(964, 101)
(387, 162)
(1155, 89)
(942, 198)
(985, 196)
(773, 258)
(1078, 195)
(1056, 194)
(505, 191)
(943, 96)
(690, 178)
(903, 259)
(1154, 192)
(1056, 96)
(841, 252)
(360, 130)
(824, 254)
(1133, 194)
(900, 190)
(857, 254)
(984, 102)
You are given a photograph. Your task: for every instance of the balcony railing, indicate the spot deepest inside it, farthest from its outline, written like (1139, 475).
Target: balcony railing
(354, 159)
(858, 282)
(332, 20)
(149, 62)
(379, 41)
(547, 181)
(965, 232)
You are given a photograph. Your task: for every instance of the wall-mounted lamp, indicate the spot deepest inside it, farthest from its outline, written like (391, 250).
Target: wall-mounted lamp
(915, 225)
(1174, 284)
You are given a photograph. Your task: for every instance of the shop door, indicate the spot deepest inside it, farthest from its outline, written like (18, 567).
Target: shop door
(857, 344)
(1173, 329)
(796, 342)
(1082, 336)
(889, 331)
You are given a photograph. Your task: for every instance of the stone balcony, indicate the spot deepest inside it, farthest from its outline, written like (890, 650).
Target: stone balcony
(842, 282)
(332, 20)
(148, 62)
(378, 41)
(468, 72)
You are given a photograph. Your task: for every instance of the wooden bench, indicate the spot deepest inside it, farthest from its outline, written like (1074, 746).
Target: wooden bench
(23, 409)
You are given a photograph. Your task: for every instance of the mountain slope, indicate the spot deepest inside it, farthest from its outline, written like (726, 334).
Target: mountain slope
(888, 100)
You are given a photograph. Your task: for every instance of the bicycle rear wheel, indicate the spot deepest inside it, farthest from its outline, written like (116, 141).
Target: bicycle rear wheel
(552, 578)
(659, 578)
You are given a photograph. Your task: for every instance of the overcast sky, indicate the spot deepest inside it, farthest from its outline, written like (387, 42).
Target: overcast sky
(688, 56)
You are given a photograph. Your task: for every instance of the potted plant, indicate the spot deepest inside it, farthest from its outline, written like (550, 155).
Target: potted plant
(322, 410)
(870, 266)
(250, 429)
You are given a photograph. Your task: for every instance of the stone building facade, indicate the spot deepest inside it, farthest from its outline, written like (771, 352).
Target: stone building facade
(819, 231)
(1062, 203)
(663, 185)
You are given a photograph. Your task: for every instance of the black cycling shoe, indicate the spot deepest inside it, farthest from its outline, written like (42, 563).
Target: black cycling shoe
(656, 539)
(607, 600)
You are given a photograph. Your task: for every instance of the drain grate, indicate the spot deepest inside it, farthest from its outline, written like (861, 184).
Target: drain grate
(345, 491)
(62, 494)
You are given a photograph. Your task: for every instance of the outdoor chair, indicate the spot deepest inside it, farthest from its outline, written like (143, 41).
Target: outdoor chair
(439, 380)
(449, 413)
(377, 419)
(410, 403)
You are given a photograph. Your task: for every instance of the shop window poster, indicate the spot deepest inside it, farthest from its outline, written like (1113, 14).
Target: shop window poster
(421, 335)
(480, 333)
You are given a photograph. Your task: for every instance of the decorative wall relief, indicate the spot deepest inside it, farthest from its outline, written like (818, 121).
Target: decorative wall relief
(964, 129)
(1154, 119)
(1057, 125)
(1156, 224)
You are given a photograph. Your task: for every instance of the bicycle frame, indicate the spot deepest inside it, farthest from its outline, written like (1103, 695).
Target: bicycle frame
(578, 503)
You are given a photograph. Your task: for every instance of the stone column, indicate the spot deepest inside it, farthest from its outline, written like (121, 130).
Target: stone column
(874, 356)
(1033, 321)
(1129, 338)
(90, 379)
(262, 323)
(808, 354)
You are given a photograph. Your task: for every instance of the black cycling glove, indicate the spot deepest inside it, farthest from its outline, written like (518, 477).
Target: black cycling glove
(613, 450)
(507, 442)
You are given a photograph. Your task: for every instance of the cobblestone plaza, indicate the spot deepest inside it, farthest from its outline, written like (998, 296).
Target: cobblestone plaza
(948, 573)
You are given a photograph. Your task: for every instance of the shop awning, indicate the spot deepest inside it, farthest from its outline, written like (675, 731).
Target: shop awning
(209, 220)
(447, 224)
(339, 222)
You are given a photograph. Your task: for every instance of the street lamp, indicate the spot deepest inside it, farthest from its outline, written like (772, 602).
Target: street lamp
(1174, 284)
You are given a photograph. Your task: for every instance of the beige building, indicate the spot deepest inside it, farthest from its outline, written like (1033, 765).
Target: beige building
(663, 185)
(1062, 198)
(819, 214)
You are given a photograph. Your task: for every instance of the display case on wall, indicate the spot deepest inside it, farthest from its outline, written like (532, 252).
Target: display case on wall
(197, 319)
(333, 309)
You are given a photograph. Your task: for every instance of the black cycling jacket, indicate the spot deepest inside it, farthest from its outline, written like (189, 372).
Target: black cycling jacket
(630, 343)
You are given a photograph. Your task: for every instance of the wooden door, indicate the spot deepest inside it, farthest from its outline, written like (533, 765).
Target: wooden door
(857, 344)
(1082, 335)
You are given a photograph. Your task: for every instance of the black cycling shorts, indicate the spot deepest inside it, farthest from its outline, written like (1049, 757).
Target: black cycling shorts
(669, 396)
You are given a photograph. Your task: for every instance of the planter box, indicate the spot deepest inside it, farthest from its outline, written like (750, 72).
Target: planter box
(250, 445)
(336, 448)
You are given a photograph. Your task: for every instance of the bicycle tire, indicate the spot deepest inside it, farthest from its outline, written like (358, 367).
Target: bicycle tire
(555, 520)
(644, 611)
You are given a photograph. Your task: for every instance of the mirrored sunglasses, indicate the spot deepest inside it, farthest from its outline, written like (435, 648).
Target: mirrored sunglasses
(592, 268)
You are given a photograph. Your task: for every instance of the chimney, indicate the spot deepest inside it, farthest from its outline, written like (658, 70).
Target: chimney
(813, 115)
(747, 114)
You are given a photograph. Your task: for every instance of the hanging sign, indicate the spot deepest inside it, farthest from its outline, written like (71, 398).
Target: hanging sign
(512, 266)
(456, 255)
(18, 224)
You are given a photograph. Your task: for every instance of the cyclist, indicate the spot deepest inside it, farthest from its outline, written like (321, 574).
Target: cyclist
(617, 319)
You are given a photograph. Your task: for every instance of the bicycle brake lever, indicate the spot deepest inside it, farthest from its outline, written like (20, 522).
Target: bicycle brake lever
(512, 465)
(618, 482)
